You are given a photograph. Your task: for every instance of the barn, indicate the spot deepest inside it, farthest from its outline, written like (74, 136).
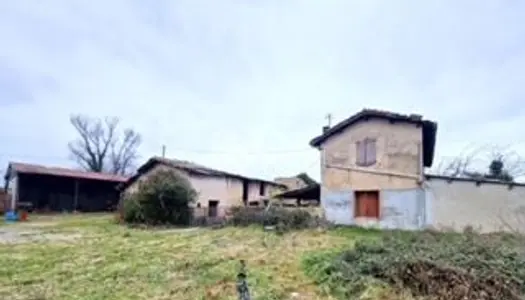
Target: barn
(53, 189)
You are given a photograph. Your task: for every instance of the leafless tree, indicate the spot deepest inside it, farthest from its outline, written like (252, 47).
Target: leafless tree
(100, 147)
(501, 164)
(513, 163)
(460, 165)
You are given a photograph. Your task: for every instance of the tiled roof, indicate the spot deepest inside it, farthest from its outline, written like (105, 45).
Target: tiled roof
(25, 168)
(429, 128)
(190, 167)
(200, 169)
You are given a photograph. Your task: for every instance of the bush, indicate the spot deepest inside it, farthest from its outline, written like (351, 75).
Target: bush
(284, 219)
(430, 265)
(165, 198)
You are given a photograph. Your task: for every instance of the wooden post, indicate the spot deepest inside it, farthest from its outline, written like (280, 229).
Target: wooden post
(75, 196)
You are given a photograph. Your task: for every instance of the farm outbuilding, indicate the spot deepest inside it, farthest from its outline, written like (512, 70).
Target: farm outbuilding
(373, 174)
(51, 189)
(304, 196)
(217, 190)
(4, 200)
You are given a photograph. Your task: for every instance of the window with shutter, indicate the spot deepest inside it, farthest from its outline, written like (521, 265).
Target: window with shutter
(370, 152)
(366, 152)
(360, 154)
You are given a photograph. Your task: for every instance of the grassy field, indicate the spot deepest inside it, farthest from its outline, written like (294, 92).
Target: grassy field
(97, 259)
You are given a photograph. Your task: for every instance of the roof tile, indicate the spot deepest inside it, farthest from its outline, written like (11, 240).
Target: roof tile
(25, 168)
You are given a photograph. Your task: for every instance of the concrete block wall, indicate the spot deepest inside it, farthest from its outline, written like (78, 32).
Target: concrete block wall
(487, 207)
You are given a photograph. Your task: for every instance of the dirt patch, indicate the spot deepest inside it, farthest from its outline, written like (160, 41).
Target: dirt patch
(39, 224)
(177, 230)
(25, 235)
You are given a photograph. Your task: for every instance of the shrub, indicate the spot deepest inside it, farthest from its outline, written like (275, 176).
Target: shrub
(164, 198)
(430, 265)
(284, 219)
(246, 216)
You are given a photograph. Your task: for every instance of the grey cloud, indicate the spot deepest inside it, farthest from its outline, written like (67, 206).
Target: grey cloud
(238, 77)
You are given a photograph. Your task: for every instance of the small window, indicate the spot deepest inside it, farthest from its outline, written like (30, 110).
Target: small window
(366, 152)
(262, 189)
(253, 203)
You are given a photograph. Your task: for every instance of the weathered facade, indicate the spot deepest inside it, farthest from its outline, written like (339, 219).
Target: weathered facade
(383, 183)
(372, 169)
(485, 205)
(51, 189)
(215, 188)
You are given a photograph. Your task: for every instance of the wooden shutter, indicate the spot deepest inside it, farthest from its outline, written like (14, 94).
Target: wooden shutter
(360, 153)
(370, 149)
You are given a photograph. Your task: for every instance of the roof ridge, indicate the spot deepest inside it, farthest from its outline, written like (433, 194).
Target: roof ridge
(63, 171)
(196, 166)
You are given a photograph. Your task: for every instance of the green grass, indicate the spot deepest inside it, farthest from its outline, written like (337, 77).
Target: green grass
(109, 261)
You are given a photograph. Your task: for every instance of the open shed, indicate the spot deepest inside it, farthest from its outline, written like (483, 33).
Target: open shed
(51, 189)
(308, 195)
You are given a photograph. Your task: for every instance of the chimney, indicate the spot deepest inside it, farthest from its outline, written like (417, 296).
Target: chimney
(325, 128)
(416, 117)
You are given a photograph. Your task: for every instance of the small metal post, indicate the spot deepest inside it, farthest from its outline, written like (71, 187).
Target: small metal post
(329, 118)
(242, 285)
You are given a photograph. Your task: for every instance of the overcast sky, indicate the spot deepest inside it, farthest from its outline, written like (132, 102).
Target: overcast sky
(244, 85)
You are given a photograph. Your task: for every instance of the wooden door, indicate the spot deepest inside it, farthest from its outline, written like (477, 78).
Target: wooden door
(366, 204)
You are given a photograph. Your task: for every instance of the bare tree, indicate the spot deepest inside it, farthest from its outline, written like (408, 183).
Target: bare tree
(506, 163)
(502, 164)
(100, 147)
(460, 165)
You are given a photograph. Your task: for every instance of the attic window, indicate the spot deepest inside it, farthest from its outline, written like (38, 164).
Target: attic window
(366, 152)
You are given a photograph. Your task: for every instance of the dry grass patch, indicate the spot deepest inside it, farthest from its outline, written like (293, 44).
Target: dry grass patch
(115, 262)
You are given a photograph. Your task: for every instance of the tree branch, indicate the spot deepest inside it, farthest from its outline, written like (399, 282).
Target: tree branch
(99, 147)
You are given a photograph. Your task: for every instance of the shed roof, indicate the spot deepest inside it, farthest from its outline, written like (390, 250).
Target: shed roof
(25, 168)
(191, 167)
(309, 192)
(429, 129)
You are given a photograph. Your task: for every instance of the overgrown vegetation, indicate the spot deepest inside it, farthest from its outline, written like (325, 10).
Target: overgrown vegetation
(284, 219)
(428, 265)
(164, 198)
(108, 261)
